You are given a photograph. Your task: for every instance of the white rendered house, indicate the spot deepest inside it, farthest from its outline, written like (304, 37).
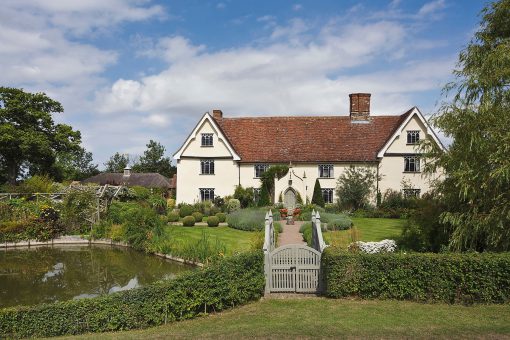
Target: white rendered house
(221, 153)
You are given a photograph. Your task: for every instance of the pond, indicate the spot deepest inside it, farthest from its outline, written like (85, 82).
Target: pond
(35, 275)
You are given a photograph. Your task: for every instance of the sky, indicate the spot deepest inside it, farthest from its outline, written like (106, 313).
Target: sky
(128, 71)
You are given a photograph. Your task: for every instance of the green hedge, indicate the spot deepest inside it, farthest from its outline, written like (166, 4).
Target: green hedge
(229, 283)
(451, 278)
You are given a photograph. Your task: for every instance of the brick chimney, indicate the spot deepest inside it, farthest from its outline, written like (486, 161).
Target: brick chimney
(360, 106)
(217, 114)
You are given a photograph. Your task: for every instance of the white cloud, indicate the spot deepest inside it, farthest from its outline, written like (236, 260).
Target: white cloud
(297, 7)
(431, 7)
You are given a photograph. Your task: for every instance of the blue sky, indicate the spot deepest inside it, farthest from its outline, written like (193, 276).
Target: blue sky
(128, 71)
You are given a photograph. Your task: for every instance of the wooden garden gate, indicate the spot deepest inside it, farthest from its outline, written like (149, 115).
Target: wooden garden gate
(293, 268)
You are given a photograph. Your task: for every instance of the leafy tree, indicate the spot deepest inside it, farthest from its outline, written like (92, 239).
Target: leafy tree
(267, 182)
(153, 160)
(29, 138)
(264, 199)
(317, 197)
(117, 163)
(244, 195)
(476, 115)
(75, 165)
(354, 187)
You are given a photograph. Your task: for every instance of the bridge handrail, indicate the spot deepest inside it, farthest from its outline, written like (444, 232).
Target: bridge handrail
(317, 239)
(269, 236)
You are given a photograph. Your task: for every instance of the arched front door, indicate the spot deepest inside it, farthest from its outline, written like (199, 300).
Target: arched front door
(290, 199)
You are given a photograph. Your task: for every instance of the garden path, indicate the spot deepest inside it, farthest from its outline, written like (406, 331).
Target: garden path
(291, 234)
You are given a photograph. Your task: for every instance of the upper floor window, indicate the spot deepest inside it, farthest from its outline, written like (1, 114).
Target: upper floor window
(413, 137)
(411, 164)
(207, 167)
(260, 169)
(327, 194)
(206, 194)
(326, 170)
(207, 139)
(411, 193)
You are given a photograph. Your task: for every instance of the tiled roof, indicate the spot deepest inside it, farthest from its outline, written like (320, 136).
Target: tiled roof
(148, 180)
(309, 139)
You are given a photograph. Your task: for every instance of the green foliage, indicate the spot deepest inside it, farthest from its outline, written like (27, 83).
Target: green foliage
(264, 199)
(28, 135)
(222, 217)
(153, 160)
(173, 216)
(77, 207)
(43, 228)
(198, 216)
(76, 165)
(35, 184)
(185, 210)
(117, 163)
(233, 205)
(336, 221)
(306, 230)
(244, 195)
(140, 193)
(101, 230)
(476, 117)
(213, 221)
(188, 221)
(158, 203)
(317, 197)
(247, 219)
(204, 250)
(267, 183)
(140, 224)
(231, 282)
(450, 278)
(354, 187)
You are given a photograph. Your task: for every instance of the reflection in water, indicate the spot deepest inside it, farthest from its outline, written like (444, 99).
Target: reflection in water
(48, 274)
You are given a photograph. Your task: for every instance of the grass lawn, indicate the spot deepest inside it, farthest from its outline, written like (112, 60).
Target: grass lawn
(320, 317)
(233, 239)
(366, 229)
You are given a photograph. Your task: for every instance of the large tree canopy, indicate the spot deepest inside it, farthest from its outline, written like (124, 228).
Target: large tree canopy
(117, 163)
(476, 115)
(153, 160)
(29, 138)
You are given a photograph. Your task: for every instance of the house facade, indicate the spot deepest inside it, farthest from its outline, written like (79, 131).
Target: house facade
(221, 153)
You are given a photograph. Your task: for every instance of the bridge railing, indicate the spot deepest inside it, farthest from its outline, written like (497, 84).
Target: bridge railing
(269, 245)
(317, 239)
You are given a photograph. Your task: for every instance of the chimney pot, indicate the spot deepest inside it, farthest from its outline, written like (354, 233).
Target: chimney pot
(217, 114)
(360, 106)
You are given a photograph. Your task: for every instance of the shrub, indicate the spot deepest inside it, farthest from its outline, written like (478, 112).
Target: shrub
(222, 217)
(198, 216)
(336, 221)
(451, 278)
(140, 224)
(244, 195)
(233, 205)
(101, 229)
(158, 203)
(214, 210)
(35, 184)
(317, 197)
(231, 282)
(77, 207)
(170, 203)
(173, 216)
(117, 232)
(140, 193)
(185, 210)
(188, 221)
(213, 221)
(247, 219)
(354, 187)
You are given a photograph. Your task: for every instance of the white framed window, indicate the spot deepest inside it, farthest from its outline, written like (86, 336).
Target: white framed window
(411, 193)
(326, 170)
(327, 194)
(206, 194)
(413, 137)
(411, 164)
(207, 167)
(260, 169)
(207, 139)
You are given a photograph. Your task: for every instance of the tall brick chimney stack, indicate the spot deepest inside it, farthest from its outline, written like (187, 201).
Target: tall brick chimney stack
(360, 106)
(217, 114)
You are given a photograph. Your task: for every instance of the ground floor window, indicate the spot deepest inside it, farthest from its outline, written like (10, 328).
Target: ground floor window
(327, 194)
(256, 194)
(206, 194)
(411, 193)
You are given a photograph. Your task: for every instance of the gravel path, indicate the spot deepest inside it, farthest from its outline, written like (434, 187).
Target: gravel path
(291, 234)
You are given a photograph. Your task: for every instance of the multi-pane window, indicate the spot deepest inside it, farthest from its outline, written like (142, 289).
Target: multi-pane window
(256, 194)
(326, 170)
(327, 194)
(206, 194)
(411, 193)
(207, 167)
(413, 137)
(207, 139)
(260, 169)
(411, 164)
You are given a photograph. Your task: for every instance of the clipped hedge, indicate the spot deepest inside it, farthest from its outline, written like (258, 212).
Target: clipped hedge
(231, 282)
(452, 278)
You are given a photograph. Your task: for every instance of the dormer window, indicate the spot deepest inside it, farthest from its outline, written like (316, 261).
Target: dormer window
(413, 137)
(207, 139)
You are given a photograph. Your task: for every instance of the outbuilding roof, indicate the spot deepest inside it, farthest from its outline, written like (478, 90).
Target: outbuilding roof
(148, 180)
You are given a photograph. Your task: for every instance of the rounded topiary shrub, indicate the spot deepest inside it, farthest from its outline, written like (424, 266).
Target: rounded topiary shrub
(222, 217)
(188, 221)
(213, 221)
(173, 216)
(185, 210)
(198, 216)
(233, 205)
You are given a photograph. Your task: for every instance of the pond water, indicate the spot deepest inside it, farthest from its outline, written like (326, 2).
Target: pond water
(35, 275)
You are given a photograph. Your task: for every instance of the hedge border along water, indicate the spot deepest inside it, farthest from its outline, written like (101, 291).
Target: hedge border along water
(231, 282)
(452, 278)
